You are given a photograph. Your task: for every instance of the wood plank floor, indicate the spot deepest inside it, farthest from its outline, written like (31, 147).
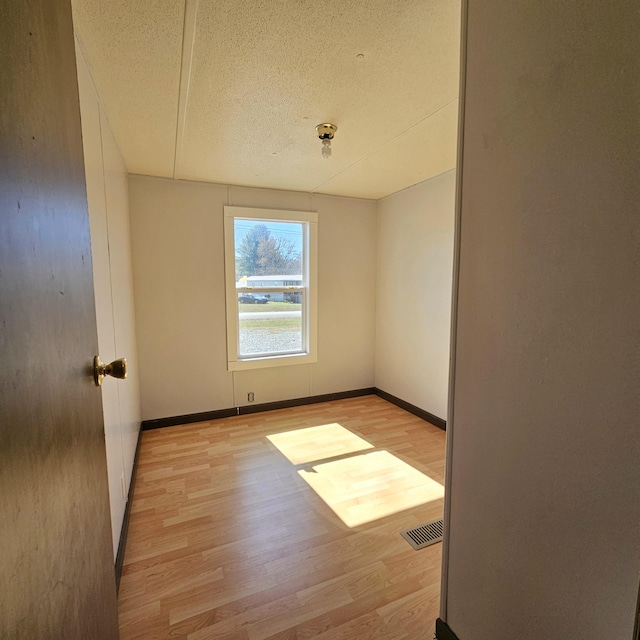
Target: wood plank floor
(228, 540)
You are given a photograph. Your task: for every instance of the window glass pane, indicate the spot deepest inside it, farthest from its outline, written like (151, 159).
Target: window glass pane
(270, 264)
(269, 327)
(268, 253)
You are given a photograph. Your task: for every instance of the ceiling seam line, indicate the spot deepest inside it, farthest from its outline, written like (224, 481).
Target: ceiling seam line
(186, 60)
(353, 164)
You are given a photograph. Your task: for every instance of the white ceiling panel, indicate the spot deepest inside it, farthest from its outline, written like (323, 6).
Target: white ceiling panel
(133, 49)
(257, 76)
(428, 144)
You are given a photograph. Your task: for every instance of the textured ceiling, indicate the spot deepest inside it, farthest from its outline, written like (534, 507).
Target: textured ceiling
(230, 91)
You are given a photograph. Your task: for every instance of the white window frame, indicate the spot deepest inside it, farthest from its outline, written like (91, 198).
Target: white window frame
(308, 287)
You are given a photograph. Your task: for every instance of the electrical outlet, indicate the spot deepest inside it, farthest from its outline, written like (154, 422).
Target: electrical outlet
(250, 396)
(123, 486)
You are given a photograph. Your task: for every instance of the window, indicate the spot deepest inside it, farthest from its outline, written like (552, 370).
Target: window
(271, 292)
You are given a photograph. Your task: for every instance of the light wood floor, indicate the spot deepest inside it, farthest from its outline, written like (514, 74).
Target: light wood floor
(228, 540)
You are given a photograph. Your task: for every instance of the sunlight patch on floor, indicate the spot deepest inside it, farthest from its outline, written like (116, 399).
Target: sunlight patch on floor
(318, 443)
(363, 488)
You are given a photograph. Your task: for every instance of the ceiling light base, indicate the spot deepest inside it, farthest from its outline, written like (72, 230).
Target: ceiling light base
(326, 131)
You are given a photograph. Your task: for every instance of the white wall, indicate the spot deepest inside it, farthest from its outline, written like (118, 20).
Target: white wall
(543, 536)
(178, 259)
(413, 306)
(113, 284)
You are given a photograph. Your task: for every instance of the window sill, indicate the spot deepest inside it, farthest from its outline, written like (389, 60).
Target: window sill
(272, 361)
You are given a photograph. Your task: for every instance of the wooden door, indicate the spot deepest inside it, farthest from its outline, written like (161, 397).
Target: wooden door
(56, 564)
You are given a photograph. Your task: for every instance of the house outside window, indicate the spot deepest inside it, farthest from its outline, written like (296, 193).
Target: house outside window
(290, 282)
(271, 287)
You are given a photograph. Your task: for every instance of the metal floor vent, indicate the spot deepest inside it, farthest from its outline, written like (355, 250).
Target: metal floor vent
(423, 535)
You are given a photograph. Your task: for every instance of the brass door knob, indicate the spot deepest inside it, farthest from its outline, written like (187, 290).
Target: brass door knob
(116, 369)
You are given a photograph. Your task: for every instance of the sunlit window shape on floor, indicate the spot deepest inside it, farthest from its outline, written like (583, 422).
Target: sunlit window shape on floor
(363, 488)
(318, 443)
